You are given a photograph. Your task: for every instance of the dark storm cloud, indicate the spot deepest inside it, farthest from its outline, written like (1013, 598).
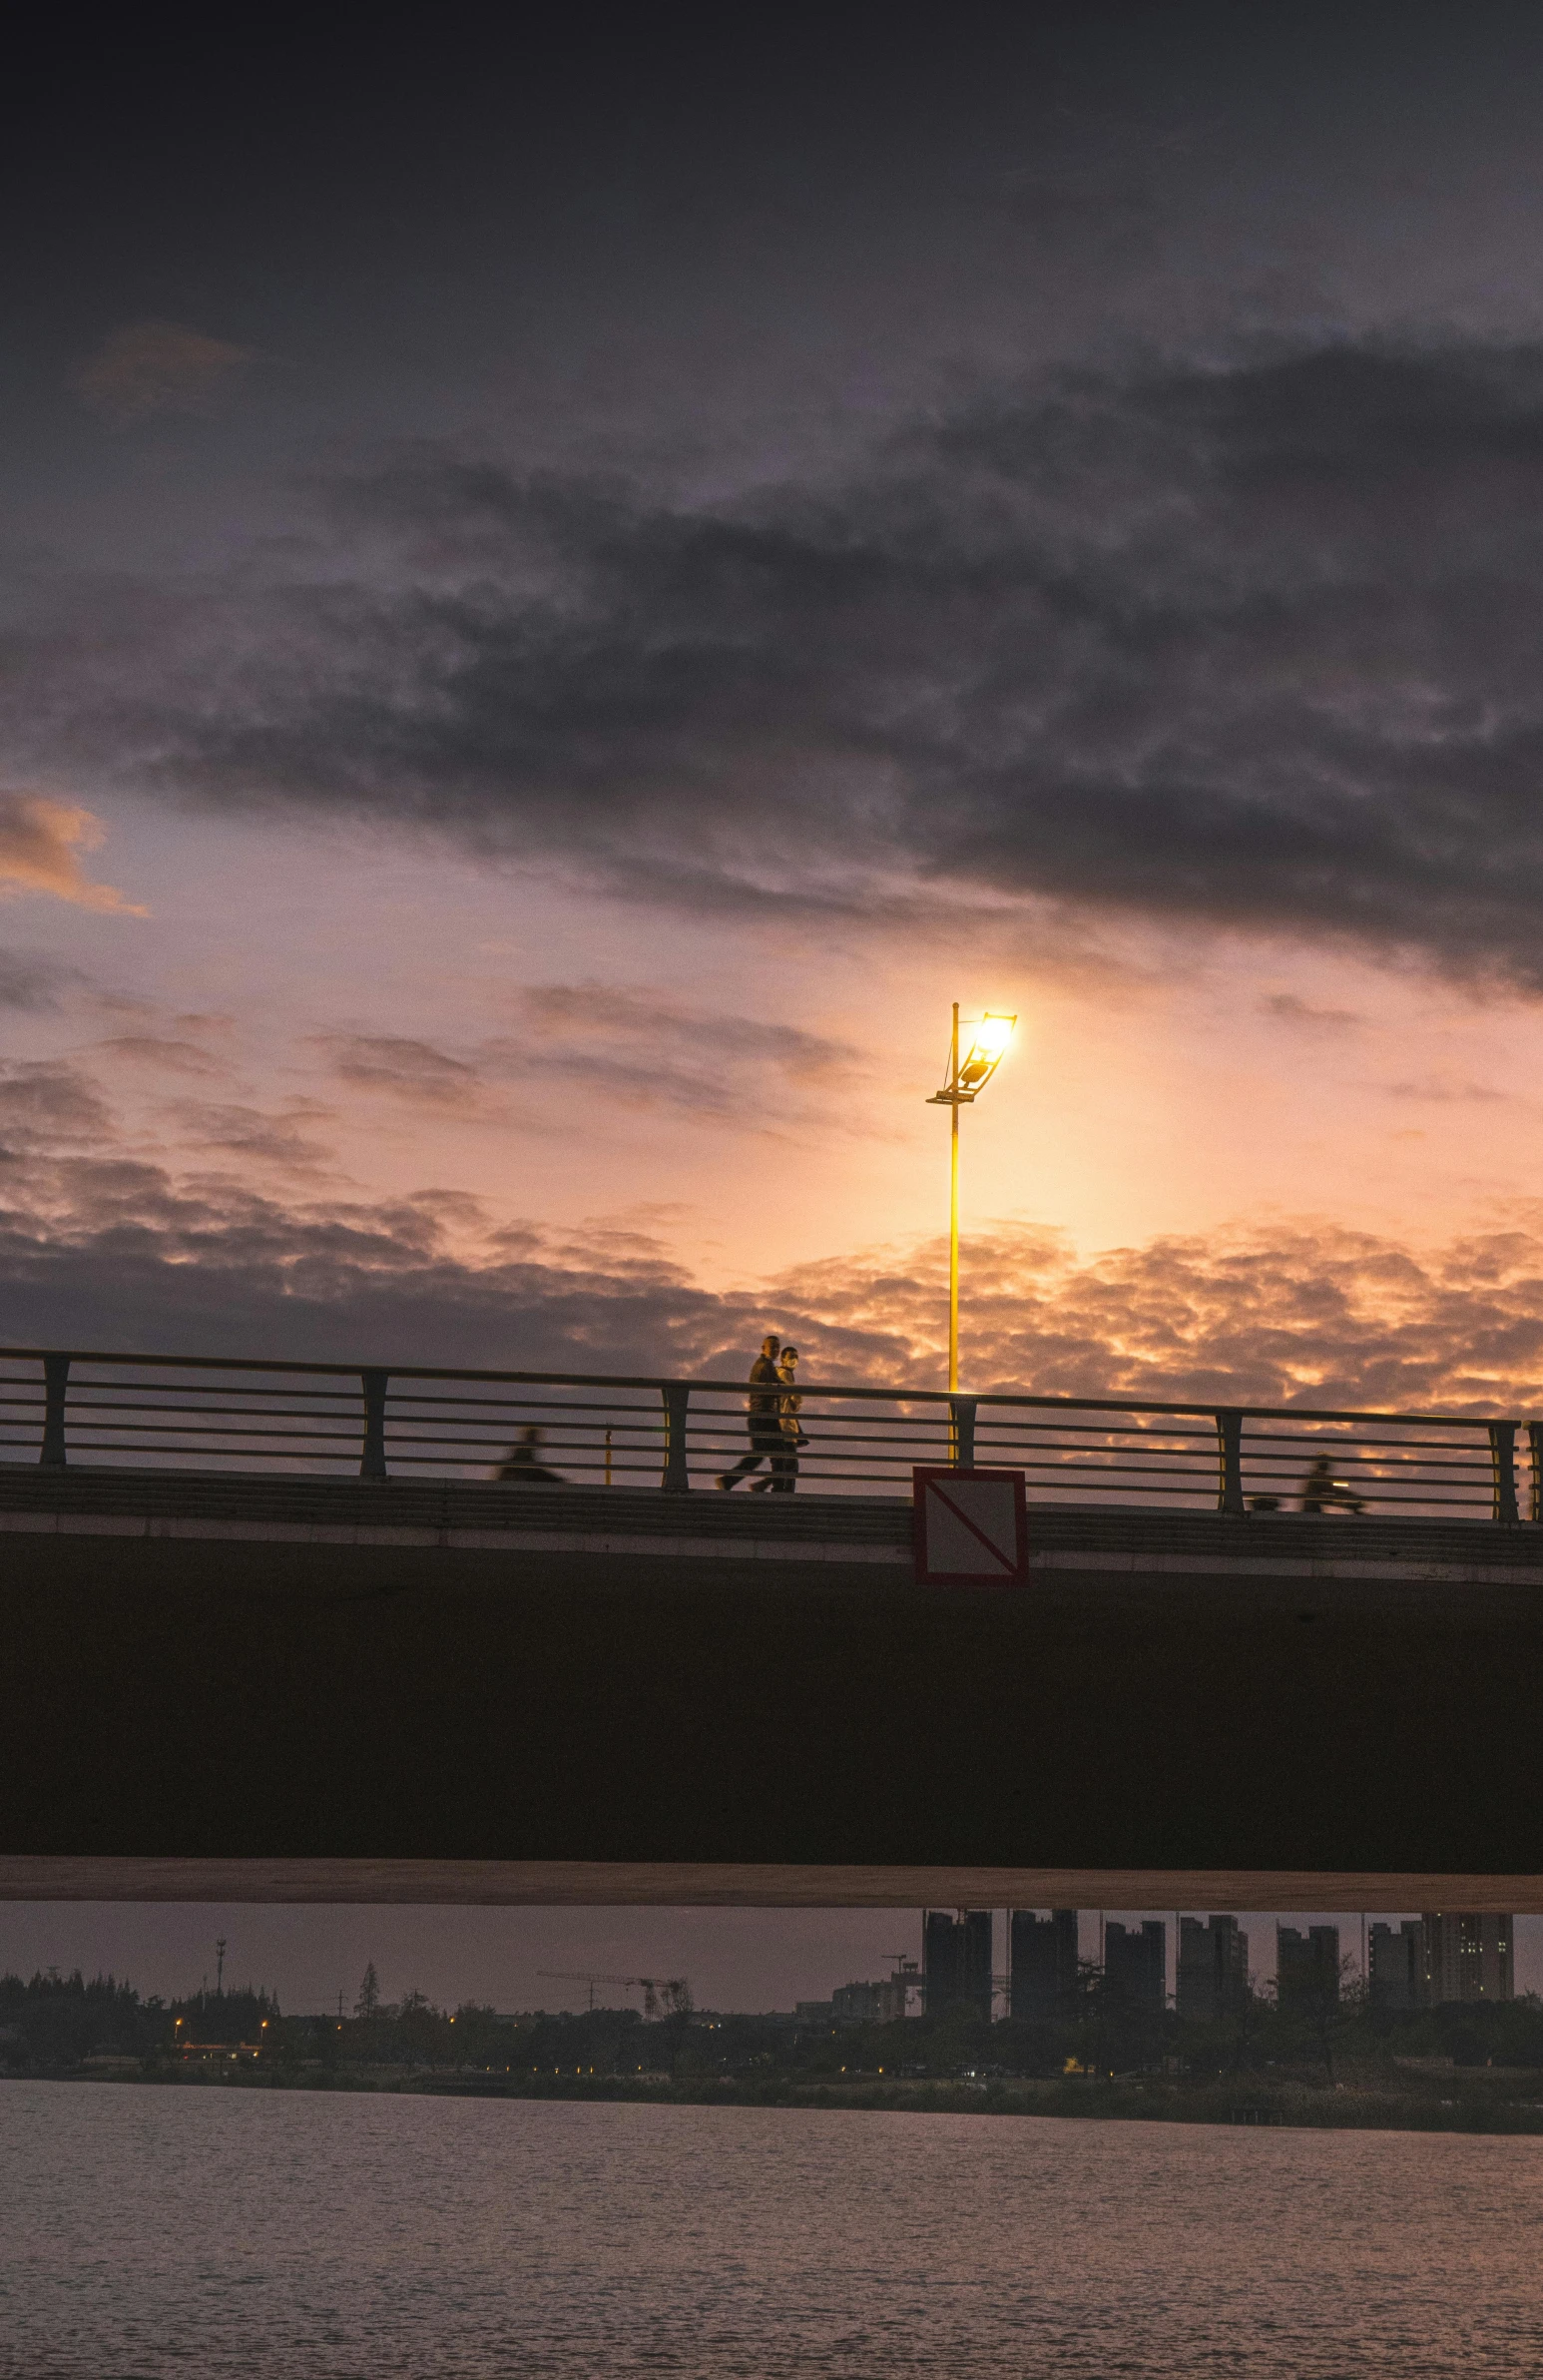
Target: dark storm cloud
(604, 1012)
(280, 1141)
(642, 1052)
(1253, 644)
(28, 980)
(123, 1255)
(161, 1053)
(635, 1049)
(47, 1104)
(407, 1068)
(1289, 1009)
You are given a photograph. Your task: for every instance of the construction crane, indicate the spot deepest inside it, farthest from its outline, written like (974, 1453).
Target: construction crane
(674, 1990)
(907, 1971)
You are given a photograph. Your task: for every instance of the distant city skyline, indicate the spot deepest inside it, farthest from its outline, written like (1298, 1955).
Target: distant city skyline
(737, 1960)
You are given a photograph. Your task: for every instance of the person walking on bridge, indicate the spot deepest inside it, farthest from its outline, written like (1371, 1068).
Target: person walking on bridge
(784, 1463)
(764, 1414)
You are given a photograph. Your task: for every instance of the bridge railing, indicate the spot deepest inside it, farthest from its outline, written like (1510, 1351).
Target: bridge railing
(201, 1413)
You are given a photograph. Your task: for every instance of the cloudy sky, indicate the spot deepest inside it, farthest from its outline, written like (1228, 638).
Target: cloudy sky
(565, 595)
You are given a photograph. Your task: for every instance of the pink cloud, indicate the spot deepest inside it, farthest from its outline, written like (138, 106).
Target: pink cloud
(40, 847)
(1301, 1311)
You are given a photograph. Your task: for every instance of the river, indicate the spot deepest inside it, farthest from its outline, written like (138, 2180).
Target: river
(147, 2233)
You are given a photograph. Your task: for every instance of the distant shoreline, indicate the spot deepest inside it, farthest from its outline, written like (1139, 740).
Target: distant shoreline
(1470, 2101)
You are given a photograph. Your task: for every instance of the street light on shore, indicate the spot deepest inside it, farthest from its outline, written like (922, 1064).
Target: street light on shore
(967, 1077)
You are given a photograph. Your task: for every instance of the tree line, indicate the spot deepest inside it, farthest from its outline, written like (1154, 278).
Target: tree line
(54, 2022)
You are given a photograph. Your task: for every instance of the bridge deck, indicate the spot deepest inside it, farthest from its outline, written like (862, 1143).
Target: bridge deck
(1104, 1543)
(309, 1679)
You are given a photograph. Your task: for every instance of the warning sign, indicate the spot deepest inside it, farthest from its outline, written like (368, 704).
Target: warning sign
(972, 1527)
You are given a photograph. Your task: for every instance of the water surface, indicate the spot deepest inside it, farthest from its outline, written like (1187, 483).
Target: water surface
(279, 2235)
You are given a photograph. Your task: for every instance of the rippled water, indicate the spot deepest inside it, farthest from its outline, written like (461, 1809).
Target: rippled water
(175, 2231)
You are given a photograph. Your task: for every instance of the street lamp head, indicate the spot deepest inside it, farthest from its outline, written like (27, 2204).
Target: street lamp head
(973, 1068)
(986, 1051)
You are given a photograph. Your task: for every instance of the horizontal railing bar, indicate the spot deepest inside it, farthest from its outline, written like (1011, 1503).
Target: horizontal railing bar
(1394, 1504)
(221, 1387)
(811, 1463)
(597, 1464)
(429, 1430)
(280, 1424)
(1260, 1451)
(341, 1410)
(251, 1457)
(1386, 1457)
(886, 1424)
(1351, 1450)
(225, 1428)
(484, 1446)
(1369, 1468)
(414, 1398)
(602, 1380)
(1092, 1429)
(1282, 1438)
(570, 1462)
(170, 1420)
(208, 1412)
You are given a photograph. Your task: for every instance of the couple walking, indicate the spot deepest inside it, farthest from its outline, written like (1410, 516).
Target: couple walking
(772, 1417)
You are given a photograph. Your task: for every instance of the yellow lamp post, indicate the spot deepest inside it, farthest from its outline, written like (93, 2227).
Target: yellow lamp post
(967, 1077)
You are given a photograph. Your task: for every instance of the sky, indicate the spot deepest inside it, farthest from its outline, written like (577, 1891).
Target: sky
(565, 594)
(567, 586)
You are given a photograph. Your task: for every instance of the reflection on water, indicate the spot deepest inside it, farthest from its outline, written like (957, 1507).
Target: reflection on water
(148, 2231)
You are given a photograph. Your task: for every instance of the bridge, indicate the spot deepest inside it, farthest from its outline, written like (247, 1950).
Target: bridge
(278, 1631)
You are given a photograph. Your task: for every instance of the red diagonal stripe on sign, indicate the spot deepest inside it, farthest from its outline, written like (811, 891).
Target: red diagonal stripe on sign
(993, 1550)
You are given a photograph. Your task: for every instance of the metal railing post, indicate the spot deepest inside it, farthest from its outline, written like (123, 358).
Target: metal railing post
(56, 1380)
(961, 1432)
(374, 1463)
(1535, 1469)
(1229, 1454)
(676, 1395)
(1502, 1453)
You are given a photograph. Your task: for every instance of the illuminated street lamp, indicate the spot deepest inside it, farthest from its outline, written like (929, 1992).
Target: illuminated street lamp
(967, 1077)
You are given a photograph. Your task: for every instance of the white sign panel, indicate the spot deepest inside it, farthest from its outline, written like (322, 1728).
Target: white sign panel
(972, 1527)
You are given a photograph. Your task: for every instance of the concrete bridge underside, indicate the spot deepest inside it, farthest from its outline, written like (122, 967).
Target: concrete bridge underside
(291, 1689)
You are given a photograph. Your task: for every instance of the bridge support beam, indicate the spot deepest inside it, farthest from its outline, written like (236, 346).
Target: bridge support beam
(545, 1680)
